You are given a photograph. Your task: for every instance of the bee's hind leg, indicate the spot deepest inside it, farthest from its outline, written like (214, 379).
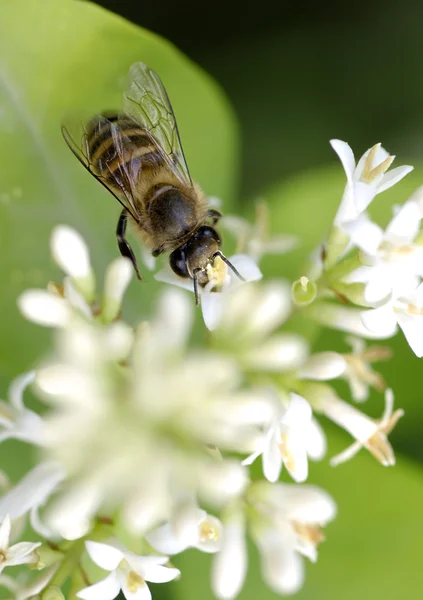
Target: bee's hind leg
(124, 247)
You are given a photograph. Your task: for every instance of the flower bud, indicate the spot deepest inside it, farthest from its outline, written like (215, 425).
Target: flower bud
(303, 291)
(52, 593)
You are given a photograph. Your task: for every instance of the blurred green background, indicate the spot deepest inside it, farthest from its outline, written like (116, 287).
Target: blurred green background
(290, 76)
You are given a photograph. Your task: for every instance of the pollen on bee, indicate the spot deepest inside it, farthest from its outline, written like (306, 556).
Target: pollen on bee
(217, 273)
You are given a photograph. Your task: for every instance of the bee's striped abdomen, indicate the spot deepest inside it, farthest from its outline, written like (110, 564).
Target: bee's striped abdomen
(119, 148)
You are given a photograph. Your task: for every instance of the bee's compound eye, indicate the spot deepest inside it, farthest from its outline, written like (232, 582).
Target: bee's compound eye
(208, 232)
(178, 263)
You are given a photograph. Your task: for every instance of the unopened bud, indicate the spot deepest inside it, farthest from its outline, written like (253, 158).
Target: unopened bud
(303, 291)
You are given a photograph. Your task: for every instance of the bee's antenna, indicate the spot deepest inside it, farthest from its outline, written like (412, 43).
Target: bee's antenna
(228, 262)
(197, 297)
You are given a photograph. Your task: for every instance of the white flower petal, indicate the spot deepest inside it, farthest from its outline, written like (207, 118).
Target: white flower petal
(160, 574)
(70, 251)
(323, 366)
(32, 490)
(212, 306)
(22, 553)
(252, 457)
(304, 503)
(279, 353)
(167, 276)
(379, 320)
(297, 465)
(164, 540)
(405, 225)
(272, 457)
(393, 176)
(315, 441)
(364, 233)
(5, 528)
(118, 276)
(363, 194)
(412, 328)
(105, 556)
(298, 413)
(281, 566)
(142, 593)
(75, 298)
(230, 564)
(107, 589)
(174, 321)
(17, 388)
(346, 157)
(346, 319)
(43, 308)
(246, 267)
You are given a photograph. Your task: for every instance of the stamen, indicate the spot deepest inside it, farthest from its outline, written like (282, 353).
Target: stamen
(310, 533)
(134, 581)
(208, 531)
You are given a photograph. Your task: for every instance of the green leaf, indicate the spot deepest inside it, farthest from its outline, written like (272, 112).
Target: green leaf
(59, 56)
(372, 548)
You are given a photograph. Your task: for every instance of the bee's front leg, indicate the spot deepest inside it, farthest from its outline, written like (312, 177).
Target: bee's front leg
(124, 247)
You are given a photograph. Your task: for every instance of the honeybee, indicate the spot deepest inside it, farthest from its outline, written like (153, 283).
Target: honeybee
(137, 155)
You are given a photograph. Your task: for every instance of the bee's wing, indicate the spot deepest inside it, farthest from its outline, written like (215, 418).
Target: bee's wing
(146, 100)
(78, 132)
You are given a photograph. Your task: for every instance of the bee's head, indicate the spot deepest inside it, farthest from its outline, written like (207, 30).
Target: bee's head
(201, 259)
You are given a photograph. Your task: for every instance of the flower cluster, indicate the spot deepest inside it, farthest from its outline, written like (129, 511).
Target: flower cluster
(147, 442)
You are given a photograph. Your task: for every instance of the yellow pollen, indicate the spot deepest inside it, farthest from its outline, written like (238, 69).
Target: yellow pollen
(56, 289)
(208, 532)
(2, 557)
(310, 533)
(217, 272)
(414, 310)
(134, 582)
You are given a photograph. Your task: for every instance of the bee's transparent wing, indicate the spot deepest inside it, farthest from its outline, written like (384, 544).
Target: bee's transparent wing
(146, 100)
(84, 139)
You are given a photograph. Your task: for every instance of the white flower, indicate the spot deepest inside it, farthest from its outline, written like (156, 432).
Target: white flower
(31, 493)
(191, 527)
(253, 239)
(118, 276)
(359, 373)
(295, 515)
(289, 439)
(405, 310)
(285, 521)
(368, 433)
(72, 255)
(18, 554)
(128, 572)
(392, 260)
(349, 319)
(230, 564)
(251, 313)
(212, 300)
(364, 180)
(23, 589)
(127, 435)
(17, 421)
(323, 366)
(44, 308)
